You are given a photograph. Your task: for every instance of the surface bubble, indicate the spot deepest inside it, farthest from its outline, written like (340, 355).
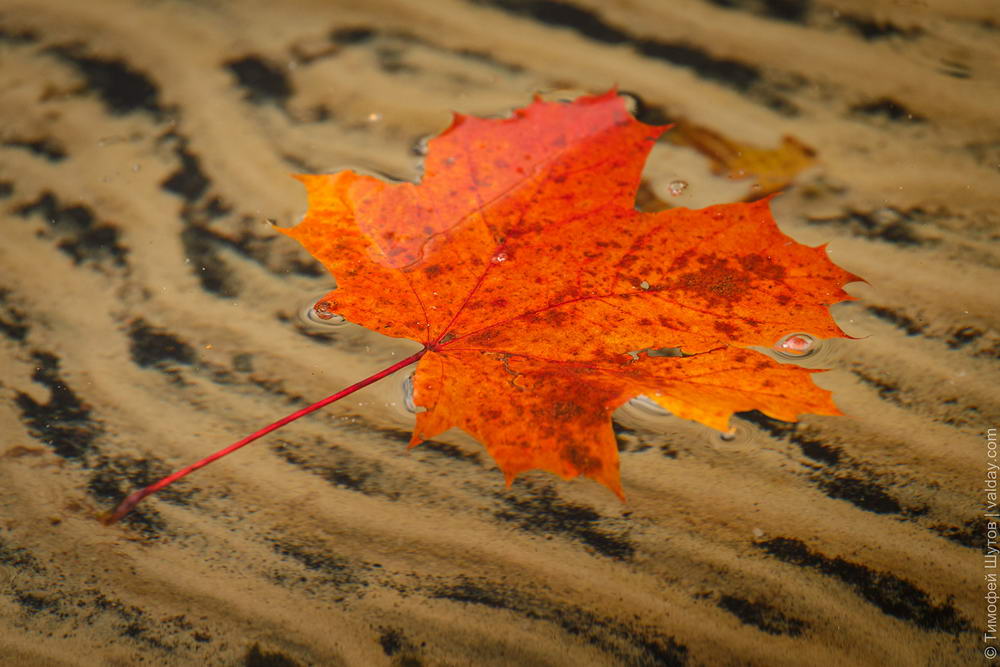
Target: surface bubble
(677, 188)
(421, 145)
(408, 394)
(633, 102)
(740, 436)
(648, 406)
(321, 310)
(796, 346)
(318, 312)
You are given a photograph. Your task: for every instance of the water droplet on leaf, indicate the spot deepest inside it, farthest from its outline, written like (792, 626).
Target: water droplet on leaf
(677, 188)
(499, 258)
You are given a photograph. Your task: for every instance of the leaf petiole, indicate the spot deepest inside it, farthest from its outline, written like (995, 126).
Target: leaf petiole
(129, 503)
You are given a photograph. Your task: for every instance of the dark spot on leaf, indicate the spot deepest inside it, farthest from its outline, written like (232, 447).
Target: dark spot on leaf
(763, 267)
(724, 327)
(581, 458)
(716, 281)
(556, 318)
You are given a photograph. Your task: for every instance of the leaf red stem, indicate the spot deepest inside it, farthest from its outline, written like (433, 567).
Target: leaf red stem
(129, 503)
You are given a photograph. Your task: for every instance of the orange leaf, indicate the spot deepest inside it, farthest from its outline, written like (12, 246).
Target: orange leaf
(772, 168)
(522, 266)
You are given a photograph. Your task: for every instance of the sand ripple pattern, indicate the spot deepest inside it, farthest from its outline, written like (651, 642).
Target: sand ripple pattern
(149, 314)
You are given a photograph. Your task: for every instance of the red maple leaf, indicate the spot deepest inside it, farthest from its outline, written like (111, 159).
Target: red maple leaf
(537, 289)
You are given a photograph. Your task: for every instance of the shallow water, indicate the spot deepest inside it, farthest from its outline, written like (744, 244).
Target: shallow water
(150, 314)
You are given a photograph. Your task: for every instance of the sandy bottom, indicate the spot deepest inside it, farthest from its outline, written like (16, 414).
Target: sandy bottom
(149, 315)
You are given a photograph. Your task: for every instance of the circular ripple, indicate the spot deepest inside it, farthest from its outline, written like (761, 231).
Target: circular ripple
(316, 313)
(740, 436)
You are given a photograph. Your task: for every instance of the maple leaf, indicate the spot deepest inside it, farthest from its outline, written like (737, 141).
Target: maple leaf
(537, 289)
